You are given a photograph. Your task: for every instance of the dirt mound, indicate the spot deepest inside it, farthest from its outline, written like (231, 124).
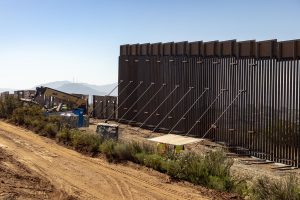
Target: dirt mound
(18, 182)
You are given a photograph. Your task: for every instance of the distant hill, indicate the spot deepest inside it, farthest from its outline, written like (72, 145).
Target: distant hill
(104, 88)
(54, 85)
(78, 88)
(68, 86)
(82, 88)
(7, 89)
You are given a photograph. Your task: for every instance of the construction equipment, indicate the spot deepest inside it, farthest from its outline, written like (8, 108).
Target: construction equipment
(108, 131)
(72, 101)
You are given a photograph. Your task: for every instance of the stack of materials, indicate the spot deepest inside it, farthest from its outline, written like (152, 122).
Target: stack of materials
(69, 119)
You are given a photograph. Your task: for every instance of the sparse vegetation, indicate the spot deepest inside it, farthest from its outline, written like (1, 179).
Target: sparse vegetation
(266, 189)
(212, 170)
(33, 118)
(81, 141)
(108, 148)
(8, 106)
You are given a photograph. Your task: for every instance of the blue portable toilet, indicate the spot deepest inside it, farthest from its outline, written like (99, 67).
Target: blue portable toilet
(79, 112)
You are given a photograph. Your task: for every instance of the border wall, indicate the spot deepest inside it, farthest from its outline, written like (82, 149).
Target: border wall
(250, 93)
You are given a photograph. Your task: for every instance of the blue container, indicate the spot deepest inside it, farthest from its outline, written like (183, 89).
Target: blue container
(79, 112)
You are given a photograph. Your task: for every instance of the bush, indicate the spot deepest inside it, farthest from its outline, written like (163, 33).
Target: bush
(85, 142)
(38, 125)
(211, 170)
(286, 189)
(50, 130)
(241, 187)
(218, 164)
(154, 161)
(220, 183)
(173, 168)
(149, 149)
(8, 106)
(128, 151)
(33, 118)
(108, 148)
(134, 148)
(64, 136)
(140, 157)
(122, 152)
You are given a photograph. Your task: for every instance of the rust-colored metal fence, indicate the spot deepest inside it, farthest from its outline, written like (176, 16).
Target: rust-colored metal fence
(104, 107)
(245, 94)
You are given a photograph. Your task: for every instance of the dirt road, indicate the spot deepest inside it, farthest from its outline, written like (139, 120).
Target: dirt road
(18, 181)
(85, 177)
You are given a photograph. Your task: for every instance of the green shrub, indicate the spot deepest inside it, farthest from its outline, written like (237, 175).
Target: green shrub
(154, 161)
(220, 183)
(38, 125)
(64, 136)
(170, 154)
(147, 148)
(35, 123)
(128, 151)
(194, 169)
(39, 129)
(85, 142)
(92, 143)
(140, 157)
(285, 189)
(50, 130)
(134, 148)
(218, 164)
(32, 117)
(173, 168)
(18, 118)
(108, 148)
(241, 187)
(211, 170)
(28, 121)
(8, 106)
(122, 152)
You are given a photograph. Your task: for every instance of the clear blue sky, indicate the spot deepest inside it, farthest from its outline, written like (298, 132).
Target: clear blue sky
(50, 40)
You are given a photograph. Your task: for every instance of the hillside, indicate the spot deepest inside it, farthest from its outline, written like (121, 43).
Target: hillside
(78, 88)
(54, 85)
(7, 89)
(82, 88)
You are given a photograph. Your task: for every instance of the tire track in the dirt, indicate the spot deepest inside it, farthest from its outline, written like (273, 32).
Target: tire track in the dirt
(103, 178)
(43, 171)
(128, 190)
(71, 187)
(157, 186)
(116, 184)
(163, 189)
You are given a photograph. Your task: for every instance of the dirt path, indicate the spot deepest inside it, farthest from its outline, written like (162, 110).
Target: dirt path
(18, 181)
(86, 177)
